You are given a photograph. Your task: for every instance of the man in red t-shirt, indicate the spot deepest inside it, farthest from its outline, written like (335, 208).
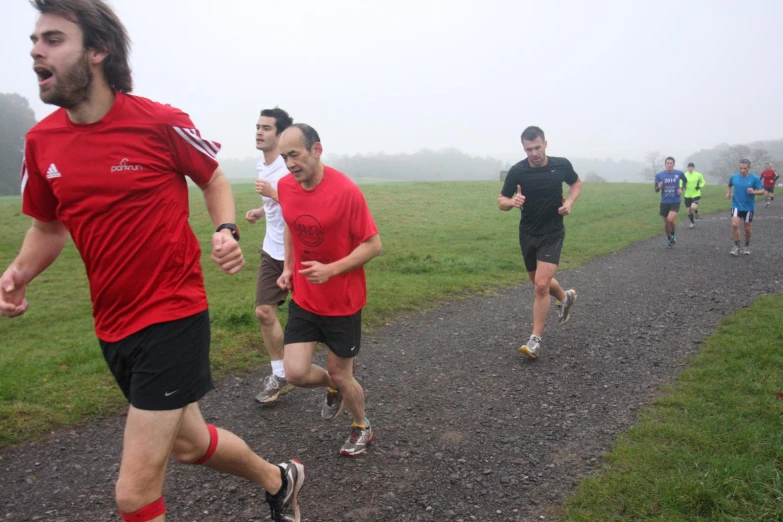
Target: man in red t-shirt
(329, 236)
(109, 169)
(768, 179)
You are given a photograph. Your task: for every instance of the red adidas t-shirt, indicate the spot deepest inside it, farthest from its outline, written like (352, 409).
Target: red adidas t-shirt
(768, 178)
(119, 187)
(326, 224)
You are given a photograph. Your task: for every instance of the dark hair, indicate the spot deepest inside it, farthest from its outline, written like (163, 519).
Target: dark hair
(102, 31)
(691, 165)
(531, 133)
(310, 135)
(745, 162)
(669, 158)
(282, 119)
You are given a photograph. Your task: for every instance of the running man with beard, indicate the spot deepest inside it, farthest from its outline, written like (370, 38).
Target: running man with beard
(110, 169)
(743, 188)
(269, 296)
(535, 185)
(329, 236)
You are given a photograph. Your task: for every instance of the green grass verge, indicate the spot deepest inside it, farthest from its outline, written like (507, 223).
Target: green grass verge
(440, 240)
(711, 448)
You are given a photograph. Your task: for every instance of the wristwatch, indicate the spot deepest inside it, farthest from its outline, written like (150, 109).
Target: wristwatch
(230, 226)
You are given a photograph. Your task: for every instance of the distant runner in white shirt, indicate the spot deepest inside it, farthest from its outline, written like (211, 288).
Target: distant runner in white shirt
(268, 295)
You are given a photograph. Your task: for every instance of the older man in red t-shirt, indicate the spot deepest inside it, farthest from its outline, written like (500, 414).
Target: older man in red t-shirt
(329, 236)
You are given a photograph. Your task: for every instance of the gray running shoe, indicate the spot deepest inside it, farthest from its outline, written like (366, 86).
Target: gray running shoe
(735, 251)
(285, 503)
(333, 404)
(564, 308)
(274, 388)
(358, 440)
(746, 250)
(531, 348)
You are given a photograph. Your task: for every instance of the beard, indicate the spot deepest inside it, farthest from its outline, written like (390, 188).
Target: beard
(72, 87)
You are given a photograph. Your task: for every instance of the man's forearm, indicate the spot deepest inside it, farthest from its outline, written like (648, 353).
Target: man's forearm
(505, 203)
(288, 260)
(42, 244)
(219, 199)
(360, 256)
(574, 191)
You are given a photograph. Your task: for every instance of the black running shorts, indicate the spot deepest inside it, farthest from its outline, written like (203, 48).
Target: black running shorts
(342, 334)
(745, 215)
(165, 366)
(669, 207)
(545, 247)
(771, 190)
(690, 201)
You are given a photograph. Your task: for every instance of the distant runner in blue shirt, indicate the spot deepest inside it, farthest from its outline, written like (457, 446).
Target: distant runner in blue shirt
(744, 186)
(668, 181)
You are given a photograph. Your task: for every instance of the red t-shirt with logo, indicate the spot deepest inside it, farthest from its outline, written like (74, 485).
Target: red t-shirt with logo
(768, 178)
(326, 224)
(119, 187)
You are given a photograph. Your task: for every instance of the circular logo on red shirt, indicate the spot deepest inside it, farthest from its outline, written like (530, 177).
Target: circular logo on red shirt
(309, 230)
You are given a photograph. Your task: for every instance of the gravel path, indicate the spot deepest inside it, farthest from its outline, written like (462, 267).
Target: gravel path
(466, 428)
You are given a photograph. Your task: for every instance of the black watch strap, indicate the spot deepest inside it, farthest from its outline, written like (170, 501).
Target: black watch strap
(230, 226)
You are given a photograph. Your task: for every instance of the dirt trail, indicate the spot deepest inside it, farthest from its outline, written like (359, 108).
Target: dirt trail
(466, 428)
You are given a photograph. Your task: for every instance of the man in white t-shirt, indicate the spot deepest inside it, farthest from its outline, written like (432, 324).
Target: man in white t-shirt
(268, 295)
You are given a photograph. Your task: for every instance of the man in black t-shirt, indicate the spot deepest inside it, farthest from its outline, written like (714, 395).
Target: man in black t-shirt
(535, 185)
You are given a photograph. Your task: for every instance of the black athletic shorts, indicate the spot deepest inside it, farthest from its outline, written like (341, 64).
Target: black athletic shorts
(342, 334)
(165, 366)
(771, 190)
(669, 207)
(690, 201)
(543, 247)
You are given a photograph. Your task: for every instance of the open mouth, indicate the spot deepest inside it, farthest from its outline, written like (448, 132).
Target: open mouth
(43, 74)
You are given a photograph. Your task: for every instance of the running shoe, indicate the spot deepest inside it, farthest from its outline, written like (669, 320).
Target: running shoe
(746, 250)
(697, 216)
(691, 226)
(285, 503)
(766, 204)
(670, 244)
(333, 404)
(274, 388)
(674, 238)
(735, 251)
(358, 440)
(531, 348)
(564, 308)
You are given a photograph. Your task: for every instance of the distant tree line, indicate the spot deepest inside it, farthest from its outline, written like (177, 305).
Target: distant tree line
(425, 165)
(16, 118)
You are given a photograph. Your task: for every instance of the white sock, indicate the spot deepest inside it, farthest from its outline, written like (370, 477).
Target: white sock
(278, 369)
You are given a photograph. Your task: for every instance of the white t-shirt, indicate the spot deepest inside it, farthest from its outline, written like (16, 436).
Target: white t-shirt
(273, 240)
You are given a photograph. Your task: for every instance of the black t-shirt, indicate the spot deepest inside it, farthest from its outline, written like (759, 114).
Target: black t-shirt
(543, 191)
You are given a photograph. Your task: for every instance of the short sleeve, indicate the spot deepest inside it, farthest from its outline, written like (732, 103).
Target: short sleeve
(194, 156)
(510, 184)
(757, 183)
(362, 224)
(38, 200)
(571, 176)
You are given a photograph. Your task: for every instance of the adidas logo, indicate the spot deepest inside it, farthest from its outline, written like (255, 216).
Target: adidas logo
(53, 172)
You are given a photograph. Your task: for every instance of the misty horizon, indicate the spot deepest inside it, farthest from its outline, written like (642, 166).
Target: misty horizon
(607, 79)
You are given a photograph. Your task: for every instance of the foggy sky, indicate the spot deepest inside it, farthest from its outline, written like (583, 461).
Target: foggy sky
(602, 78)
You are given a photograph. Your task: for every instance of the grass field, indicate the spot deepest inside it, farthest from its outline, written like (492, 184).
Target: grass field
(440, 240)
(711, 448)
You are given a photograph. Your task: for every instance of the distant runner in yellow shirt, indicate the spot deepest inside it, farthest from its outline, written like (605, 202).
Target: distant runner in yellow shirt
(692, 193)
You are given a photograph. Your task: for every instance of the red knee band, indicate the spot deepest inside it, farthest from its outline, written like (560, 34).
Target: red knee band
(213, 440)
(148, 512)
